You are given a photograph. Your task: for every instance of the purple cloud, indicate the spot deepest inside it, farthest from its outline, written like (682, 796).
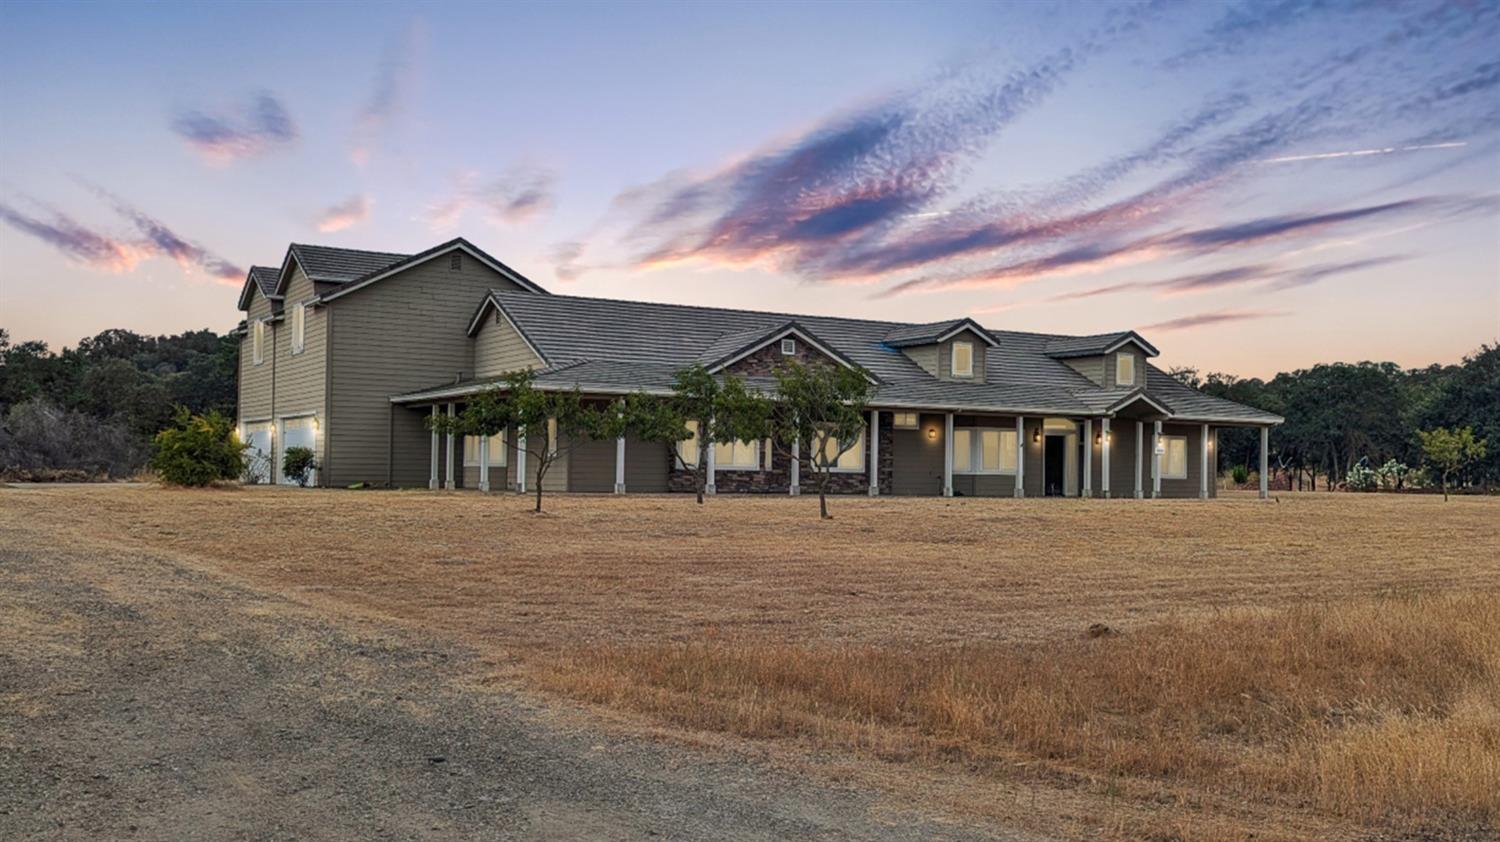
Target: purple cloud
(255, 128)
(76, 241)
(393, 79)
(518, 196)
(345, 214)
(1208, 319)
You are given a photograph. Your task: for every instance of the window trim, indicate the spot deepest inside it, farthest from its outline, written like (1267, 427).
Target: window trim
(788, 346)
(976, 451)
(752, 447)
(258, 341)
(499, 461)
(916, 420)
(953, 358)
(1166, 457)
(1119, 358)
(299, 328)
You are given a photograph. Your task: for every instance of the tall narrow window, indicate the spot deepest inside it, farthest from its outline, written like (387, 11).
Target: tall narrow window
(1124, 369)
(963, 359)
(299, 328)
(963, 456)
(258, 341)
(687, 449)
(1175, 460)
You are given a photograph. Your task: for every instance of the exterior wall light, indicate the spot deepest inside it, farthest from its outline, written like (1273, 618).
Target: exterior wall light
(1036, 436)
(932, 433)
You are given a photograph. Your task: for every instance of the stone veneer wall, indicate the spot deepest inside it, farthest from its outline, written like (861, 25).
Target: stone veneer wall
(777, 480)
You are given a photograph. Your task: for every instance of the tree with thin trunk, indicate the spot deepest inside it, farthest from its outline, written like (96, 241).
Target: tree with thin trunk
(1450, 451)
(550, 423)
(820, 408)
(705, 408)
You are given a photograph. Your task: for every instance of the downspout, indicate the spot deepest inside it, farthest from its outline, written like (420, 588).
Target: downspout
(325, 473)
(275, 427)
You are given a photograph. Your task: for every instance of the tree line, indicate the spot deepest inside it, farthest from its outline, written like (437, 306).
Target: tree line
(1342, 418)
(91, 411)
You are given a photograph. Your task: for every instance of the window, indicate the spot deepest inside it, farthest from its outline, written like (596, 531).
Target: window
(963, 359)
(258, 341)
(737, 454)
(497, 450)
(788, 347)
(852, 459)
(455, 261)
(984, 450)
(904, 420)
(687, 449)
(1174, 461)
(552, 436)
(299, 328)
(1124, 369)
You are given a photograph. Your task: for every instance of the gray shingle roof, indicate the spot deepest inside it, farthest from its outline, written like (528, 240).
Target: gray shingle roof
(339, 265)
(906, 336)
(265, 278)
(619, 346)
(1063, 347)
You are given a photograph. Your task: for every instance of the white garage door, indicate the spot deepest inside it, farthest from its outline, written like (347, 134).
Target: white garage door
(258, 456)
(298, 432)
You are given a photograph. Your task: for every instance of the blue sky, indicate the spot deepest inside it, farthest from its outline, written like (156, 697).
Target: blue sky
(1255, 186)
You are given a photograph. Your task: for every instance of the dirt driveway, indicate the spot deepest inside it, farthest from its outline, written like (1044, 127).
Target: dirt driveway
(141, 697)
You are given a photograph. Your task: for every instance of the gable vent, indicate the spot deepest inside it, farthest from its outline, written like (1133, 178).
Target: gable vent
(455, 261)
(788, 347)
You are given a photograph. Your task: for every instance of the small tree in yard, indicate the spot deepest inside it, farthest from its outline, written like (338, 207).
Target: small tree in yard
(721, 409)
(299, 463)
(821, 407)
(1448, 452)
(198, 450)
(550, 423)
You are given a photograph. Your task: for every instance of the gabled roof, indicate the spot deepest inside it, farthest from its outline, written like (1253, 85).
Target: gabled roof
(407, 262)
(340, 265)
(1064, 347)
(262, 278)
(932, 333)
(734, 346)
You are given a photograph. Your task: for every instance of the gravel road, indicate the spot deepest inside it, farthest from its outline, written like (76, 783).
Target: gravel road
(142, 698)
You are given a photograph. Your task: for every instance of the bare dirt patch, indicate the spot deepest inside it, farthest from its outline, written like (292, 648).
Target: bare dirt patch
(938, 638)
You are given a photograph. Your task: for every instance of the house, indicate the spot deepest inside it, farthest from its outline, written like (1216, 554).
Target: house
(348, 352)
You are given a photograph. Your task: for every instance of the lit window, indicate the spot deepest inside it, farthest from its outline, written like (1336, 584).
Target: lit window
(552, 436)
(904, 420)
(984, 450)
(1175, 460)
(687, 449)
(1124, 369)
(788, 347)
(963, 359)
(258, 341)
(852, 459)
(299, 328)
(737, 454)
(497, 450)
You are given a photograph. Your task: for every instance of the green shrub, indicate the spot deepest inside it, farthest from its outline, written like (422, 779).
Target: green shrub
(298, 463)
(1240, 474)
(198, 450)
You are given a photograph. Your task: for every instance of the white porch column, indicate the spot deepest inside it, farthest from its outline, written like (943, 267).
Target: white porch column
(1020, 456)
(1088, 457)
(1156, 461)
(620, 465)
(874, 435)
(1203, 484)
(452, 411)
(709, 485)
(948, 454)
(520, 464)
(1104, 458)
(1140, 438)
(1265, 462)
(432, 479)
(484, 464)
(795, 487)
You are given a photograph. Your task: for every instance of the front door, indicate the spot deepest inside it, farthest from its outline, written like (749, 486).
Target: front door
(1054, 463)
(258, 455)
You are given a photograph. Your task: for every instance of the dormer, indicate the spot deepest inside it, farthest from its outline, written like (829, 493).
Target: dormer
(952, 350)
(1112, 360)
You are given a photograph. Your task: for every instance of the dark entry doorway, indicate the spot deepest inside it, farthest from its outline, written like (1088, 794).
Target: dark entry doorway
(1054, 459)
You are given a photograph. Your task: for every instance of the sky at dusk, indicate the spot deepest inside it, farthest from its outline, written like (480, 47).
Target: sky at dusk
(1254, 186)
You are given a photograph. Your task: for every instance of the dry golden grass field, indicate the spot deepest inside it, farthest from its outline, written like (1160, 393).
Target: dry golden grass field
(1325, 666)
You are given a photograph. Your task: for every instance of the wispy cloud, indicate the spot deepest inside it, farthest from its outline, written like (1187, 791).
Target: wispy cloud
(110, 253)
(345, 214)
(1361, 153)
(1189, 243)
(257, 126)
(1209, 319)
(76, 241)
(1275, 277)
(394, 73)
(519, 195)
